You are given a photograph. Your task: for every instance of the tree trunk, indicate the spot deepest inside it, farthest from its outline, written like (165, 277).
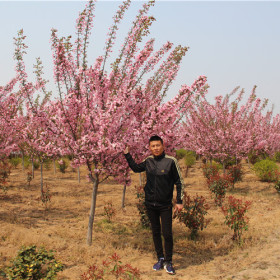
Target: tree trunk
(123, 196)
(54, 167)
(22, 160)
(140, 179)
(224, 167)
(92, 210)
(32, 167)
(248, 162)
(186, 171)
(42, 187)
(79, 177)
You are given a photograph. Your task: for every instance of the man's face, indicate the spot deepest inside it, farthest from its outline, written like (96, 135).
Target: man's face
(156, 148)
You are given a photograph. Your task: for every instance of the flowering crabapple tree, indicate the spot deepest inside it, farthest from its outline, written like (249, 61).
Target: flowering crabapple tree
(33, 118)
(100, 111)
(228, 129)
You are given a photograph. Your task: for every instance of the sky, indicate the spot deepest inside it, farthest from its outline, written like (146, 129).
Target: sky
(233, 43)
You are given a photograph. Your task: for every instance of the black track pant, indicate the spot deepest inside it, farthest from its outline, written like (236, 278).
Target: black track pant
(161, 221)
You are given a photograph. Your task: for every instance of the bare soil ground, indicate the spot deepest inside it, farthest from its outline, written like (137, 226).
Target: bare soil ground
(63, 227)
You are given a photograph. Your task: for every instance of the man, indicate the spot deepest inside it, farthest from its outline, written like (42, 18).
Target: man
(162, 172)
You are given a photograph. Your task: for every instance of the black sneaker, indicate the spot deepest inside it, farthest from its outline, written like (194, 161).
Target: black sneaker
(169, 268)
(159, 264)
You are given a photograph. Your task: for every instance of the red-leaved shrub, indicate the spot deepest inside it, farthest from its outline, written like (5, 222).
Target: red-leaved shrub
(234, 212)
(112, 266)
(193, 214)
(218, 185)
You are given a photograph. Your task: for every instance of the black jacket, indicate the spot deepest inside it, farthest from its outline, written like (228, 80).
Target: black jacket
(162, 174)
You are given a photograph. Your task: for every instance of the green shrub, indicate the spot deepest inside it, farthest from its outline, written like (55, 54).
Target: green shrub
(190, 159)
(267, 170)
(181, 153)
(276, 157)
(15, 161)
(277, 186)
(26, 162)
(47, 163)
(62, 164)
(36, 164)
(255, 157)
(193, 153)
(31, 263)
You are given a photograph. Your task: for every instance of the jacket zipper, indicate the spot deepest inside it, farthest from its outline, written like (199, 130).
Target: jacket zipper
(155, 183)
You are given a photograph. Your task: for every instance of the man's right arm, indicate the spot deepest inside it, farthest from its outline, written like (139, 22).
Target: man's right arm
(133, 165)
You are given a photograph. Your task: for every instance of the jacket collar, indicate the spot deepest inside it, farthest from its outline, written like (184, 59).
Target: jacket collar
(160, 156)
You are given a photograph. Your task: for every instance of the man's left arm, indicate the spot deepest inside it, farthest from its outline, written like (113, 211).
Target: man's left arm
(179, 182)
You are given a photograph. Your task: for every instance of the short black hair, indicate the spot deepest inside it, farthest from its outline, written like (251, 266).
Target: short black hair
(155, 138)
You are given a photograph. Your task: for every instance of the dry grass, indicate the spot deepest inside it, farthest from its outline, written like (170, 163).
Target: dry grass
(63, 228)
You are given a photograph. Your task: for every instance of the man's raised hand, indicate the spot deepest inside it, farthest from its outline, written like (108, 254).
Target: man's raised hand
(126, 150)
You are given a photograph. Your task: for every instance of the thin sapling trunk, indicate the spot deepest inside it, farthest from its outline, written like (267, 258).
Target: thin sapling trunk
(41, 171)
(32, 167)
(95, 182)
(79, 175)
(54, 167)
(123, 196)
(22, 160)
